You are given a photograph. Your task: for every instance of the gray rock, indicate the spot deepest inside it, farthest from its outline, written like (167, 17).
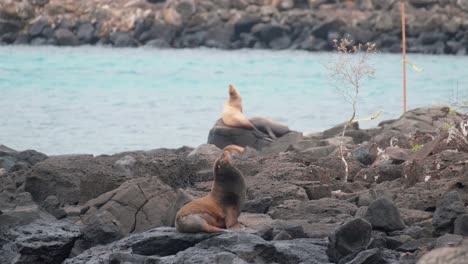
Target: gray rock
(384, 215)
(376, 256)
(19, 209)
(99, 229)
(37, 28)
(157, 43)
(318, 152)
(461, 225)
(65, 37)
(137, 205)
(447, 210)
(413, 245)
(86, 33)
(222, 136)
(352, 237)
(122, 39)
(259, 205)
(449, 240)
(158, 31)
(44, 242)
(52, 205)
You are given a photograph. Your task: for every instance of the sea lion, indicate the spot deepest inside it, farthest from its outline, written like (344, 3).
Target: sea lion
(270, 127)
(221, 207)
(234, 148)
(232, 111)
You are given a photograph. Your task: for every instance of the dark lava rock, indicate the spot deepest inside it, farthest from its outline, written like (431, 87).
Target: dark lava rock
(19, 209)
(351, 237)
(122, 39)
(8, 159)
(384, 215)
(86, 33)
(157, 43)
(461, 225)
(447, 210)
(378, 240)
(364, 154)
(37, 28)
(43, 242)
(52, 205)
(376, 256)
(99, 229)
(250, 248)
(411, 246)
(221, 136)
(165, 242)
(65, 37)
(259, 205)
(232, 247)
(158, 31)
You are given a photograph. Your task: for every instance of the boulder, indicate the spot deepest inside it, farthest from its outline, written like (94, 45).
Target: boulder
(66, 178)
(384, 215)
(461, 225)
(122, 40)
(43, 242)
(417, 244)
(447, 210)
(99, 229)
(351, 237)
(10, 159)
(334, 211)
(222, 136)
(65, 37)
(376, 256)
(86, 33)
(137, 205)
(19, 209)
(52, 205)
(231, 247)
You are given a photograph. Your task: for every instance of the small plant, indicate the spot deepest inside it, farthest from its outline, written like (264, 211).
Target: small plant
(347, 69)
(417, 147)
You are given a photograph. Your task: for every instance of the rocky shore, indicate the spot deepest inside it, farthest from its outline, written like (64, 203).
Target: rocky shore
(433, 26)
(405, 200)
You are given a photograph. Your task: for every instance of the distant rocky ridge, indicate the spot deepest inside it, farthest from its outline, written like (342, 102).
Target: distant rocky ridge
(433, 26)
(402, 203)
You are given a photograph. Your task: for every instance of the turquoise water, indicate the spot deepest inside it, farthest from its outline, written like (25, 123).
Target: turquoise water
(104, 100)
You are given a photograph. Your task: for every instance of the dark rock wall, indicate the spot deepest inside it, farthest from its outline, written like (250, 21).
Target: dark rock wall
(433, 26)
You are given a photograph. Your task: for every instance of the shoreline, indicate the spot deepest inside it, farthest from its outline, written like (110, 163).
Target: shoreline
(247, 24)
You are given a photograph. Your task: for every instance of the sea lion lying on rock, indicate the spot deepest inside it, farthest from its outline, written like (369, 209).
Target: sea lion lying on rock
(233, 116)
(221, 207)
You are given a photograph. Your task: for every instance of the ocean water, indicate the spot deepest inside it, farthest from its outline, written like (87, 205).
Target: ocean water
(104, 100)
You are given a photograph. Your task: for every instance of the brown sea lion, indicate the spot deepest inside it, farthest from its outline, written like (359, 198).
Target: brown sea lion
(221, 207)
(232, 111)
(270, 127)
(234, 149)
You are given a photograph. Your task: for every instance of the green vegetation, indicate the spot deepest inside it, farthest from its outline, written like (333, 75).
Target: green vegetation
(417, 147)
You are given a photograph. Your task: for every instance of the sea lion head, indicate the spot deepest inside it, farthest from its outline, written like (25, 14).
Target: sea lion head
(235, 99)
(223, 168)
(233, 93)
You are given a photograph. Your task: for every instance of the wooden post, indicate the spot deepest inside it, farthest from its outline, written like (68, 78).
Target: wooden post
(403, 39)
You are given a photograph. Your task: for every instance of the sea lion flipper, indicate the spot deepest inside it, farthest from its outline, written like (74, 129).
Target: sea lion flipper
(270, 132)
(232, 213)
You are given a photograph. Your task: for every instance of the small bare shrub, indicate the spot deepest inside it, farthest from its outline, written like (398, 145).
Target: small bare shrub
(348, 67)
